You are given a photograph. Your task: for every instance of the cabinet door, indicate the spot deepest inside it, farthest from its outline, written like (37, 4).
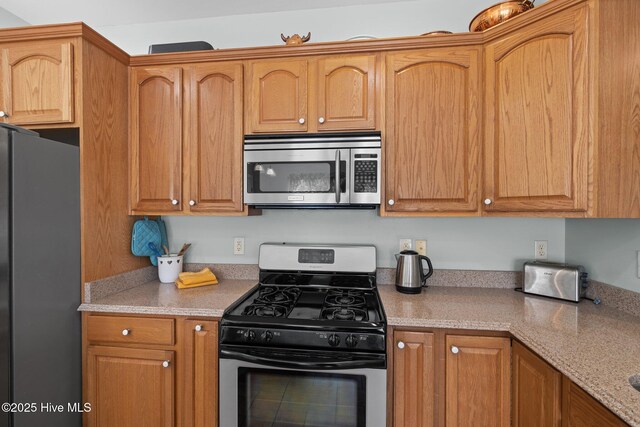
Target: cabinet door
(413, 379)
(346, 93)
(129, 387)
(277, 96)
(537, 117)
(156, 140)
(477, 381)
(536, 390)
(215, 137)
(432, 139)
(201, 371)
(37, 82)
(582, 410)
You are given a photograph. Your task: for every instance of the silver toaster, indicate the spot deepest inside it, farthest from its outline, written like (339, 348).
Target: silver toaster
(563, 281)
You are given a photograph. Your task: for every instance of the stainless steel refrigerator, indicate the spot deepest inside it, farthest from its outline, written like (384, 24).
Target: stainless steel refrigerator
(40, 337)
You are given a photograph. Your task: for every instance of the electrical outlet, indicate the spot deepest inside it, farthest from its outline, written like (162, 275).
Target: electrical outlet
(540, 249)
(405, 244)
(421, 247)
(238, 246)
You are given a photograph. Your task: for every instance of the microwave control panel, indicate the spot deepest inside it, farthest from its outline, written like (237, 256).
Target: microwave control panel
(365, 175)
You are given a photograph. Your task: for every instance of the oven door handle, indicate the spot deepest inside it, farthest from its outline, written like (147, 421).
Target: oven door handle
(293, 362)
(338, 177)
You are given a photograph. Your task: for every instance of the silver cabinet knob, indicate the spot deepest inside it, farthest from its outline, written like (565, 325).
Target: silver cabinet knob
(301, 121)
(174, 202)
(166, 364)
(454, 349)
(391, 202)
(3, 114)
(198, 328)
(400, 345)
(192, 202)
(321, 120)
(488, 201)
(126, 332)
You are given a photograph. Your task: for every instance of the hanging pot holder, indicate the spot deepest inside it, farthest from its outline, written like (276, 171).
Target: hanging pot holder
(147, 231)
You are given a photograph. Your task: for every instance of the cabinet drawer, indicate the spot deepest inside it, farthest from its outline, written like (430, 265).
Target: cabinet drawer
(132, 330)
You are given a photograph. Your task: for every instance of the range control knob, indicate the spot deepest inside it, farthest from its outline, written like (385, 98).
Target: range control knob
(351, 341)
(334, 340)
(266, 336)
(249, 335)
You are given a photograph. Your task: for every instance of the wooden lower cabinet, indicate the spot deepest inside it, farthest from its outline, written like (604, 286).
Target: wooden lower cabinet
(452, 380)
(536, 390)
(130, 387)
(146, 383)
(414, 374)
(582, 410)
(200, 374)
(477, 381)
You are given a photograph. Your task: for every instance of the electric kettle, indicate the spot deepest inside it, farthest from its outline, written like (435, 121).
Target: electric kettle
(410, 276)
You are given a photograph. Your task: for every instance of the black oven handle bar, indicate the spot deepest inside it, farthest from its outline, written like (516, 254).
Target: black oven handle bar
(306, 361)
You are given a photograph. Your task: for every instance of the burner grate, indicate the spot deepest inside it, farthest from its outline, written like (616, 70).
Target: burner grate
(344, 313)
(344, 304)
(273, 301)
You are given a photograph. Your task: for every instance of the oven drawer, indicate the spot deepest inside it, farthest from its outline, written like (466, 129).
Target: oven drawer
(131, 330)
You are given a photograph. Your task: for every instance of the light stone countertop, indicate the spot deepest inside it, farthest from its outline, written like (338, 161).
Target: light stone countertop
(161, 298)
(597, 347)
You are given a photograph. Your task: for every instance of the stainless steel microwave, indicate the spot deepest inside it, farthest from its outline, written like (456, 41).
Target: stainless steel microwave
(313, 170)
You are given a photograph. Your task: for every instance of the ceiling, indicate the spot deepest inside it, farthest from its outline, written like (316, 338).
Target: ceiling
(101, 13)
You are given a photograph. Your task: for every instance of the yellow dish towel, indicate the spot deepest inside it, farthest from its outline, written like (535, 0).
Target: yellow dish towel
(192, 280)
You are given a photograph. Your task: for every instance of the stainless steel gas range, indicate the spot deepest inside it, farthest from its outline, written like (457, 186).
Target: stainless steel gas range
(307, 345)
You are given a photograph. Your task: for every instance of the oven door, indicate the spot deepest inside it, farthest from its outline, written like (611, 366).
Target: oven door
(290, 177)
(261, 394)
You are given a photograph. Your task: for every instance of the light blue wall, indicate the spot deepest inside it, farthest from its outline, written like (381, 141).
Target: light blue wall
(607, 248)
(452, 243)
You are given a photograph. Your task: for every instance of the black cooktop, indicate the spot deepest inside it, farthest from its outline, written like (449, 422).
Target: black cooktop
(310, 303)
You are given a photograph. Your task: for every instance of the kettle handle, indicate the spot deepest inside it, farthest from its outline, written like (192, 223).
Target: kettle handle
(424, 277)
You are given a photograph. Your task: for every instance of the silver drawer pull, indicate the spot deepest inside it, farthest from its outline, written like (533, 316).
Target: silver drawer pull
(166, 364)
(400, 345)
(198, 328)
(454, 349)
(126, 332)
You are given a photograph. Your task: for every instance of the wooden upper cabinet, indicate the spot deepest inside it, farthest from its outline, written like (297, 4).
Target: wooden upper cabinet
(277, 96)
(537, 116)
(201, 374)
(215, 135)
(536, 390)
(582, 410)
(413, 379)
(37, 82)
(156, 140)
(130, 387)
(332, 93)
(477, 381)
(346, 93)
(432, 138)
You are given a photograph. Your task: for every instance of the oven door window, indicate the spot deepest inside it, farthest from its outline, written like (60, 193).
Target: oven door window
(294, 177)
(279, 398)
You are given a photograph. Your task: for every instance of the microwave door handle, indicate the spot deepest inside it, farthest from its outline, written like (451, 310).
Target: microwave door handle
(337, 176)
